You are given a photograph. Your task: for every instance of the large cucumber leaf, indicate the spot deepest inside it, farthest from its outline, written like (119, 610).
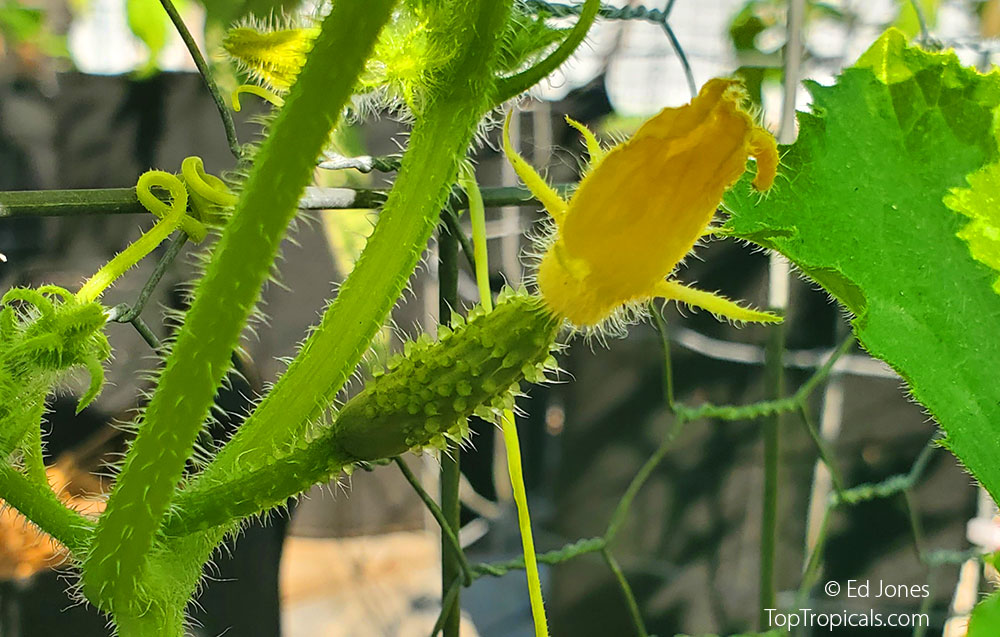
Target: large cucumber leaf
(862, 213)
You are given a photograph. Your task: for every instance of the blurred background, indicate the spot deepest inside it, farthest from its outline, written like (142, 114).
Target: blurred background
(94, 92)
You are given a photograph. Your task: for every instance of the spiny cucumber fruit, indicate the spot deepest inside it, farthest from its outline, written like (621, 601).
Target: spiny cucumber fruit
(422, 401)
(428, 393)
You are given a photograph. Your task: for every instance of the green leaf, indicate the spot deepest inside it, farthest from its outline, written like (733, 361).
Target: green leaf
(980, 202)
(861, 212)
(149, 22)
(985, 620)
(908, 21)
(524, 37)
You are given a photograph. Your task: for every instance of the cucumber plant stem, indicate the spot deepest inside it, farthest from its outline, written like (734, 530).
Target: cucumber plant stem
(440, 139)
(114, 575)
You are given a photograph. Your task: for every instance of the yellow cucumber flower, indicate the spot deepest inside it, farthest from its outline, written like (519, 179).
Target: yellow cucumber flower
(275, 56)
(643, 205)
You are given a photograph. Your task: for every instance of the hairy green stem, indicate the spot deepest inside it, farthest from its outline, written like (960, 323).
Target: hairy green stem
(213, 505)
(34, 459)
(223, 301)
(39, 504)
(155, 620)
(477, 216)
(332, 351)
(439, 141)
(21, 411)
(461, 93)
